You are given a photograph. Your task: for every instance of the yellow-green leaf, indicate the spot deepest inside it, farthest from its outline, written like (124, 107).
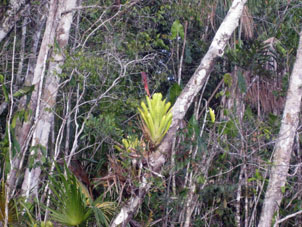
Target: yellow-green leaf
(156, 117)
(212, 114)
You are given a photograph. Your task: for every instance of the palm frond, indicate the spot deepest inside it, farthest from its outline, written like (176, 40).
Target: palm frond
(12, 209)
(71, 204)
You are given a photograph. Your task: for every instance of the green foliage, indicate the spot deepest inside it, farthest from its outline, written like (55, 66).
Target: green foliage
(4, 2)
(103, 125)
(46, 224)
(39, 153)
(130, 144)
(257, 177)
(24, 91)
(73, 202)
(4, 90)
(177, 30)
(219, 195)
(103, 211)
(155, 28)
(241, 82)
(227, 79)
(249, 115)
(156, 118)
(229, 128)
(84, 63)
(71, 208)
(285, 83)
(193, 127)
(251, 57)
(174, 92)
(4, 150)
(28, 218)
(188, 55)
(23, 115)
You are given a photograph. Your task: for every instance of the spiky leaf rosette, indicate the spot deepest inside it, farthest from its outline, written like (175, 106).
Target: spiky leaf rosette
(156, 117)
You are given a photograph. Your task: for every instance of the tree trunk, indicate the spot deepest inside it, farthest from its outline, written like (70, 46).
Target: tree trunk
(19, 78)
(45, 115)
(183, 102)
(283, 147)
(20, 135)
(11, 16)
(24, 131)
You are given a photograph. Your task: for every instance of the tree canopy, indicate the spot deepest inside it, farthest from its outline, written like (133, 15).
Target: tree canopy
(150, 113)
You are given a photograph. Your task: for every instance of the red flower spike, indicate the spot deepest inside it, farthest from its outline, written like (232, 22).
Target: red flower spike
(145, 82)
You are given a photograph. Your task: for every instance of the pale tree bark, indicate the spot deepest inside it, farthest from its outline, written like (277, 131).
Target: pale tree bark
(183, 102)
(19, 78)
(21, 135)
(24, 132)
(11, 16)
(7, 189)
(283, 146)
(45, 116)
(36, 79)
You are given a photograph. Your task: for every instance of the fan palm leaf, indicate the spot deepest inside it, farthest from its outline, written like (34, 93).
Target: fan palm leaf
(72, 209)
(74, 203)
(12, 210)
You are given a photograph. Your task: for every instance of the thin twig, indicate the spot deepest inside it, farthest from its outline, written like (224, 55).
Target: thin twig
(7, 194)
(109, 19)
(182, 53)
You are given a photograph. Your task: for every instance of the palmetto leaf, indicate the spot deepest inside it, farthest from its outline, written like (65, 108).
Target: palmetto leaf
(156, 117)
(12, 211)
(73, 203)
(72, 209)
(103, 210)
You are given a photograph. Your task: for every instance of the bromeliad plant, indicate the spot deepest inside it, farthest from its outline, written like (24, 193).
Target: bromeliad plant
(130, 144)
(156, 118)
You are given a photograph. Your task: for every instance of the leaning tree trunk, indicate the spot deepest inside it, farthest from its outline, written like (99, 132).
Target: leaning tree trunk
(11, 16)
(182, 104)
(45, 114)
(283, 147)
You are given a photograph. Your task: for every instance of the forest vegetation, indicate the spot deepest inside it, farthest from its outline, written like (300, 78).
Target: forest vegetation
(150, 113)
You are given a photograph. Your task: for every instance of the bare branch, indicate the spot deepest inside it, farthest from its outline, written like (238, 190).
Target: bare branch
(287, 217)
